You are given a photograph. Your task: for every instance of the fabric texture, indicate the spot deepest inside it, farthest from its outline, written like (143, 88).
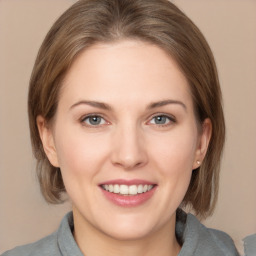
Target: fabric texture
(196, 240)
(250, 245)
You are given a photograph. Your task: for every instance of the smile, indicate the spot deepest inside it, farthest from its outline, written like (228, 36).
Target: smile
(123, 189)
(128, 193)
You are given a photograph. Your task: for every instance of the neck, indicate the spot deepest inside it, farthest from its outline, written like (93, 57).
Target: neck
(93, 242)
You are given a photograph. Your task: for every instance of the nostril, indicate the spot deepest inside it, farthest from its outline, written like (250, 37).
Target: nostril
(129, 163)
(128, 151)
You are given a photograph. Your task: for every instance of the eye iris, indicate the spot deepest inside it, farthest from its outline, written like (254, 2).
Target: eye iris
(160, 120)
(94, 120)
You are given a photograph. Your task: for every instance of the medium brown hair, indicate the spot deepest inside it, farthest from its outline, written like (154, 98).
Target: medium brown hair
(156, 21)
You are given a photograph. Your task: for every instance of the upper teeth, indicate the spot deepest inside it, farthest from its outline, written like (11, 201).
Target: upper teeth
(127, 190)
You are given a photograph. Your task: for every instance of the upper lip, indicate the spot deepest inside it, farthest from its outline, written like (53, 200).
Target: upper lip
(127, 182)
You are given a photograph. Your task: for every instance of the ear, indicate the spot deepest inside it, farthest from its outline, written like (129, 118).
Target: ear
(47, 139)
(203, 142)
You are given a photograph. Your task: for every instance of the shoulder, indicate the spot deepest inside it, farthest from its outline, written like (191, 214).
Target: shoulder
(250, 245)
(46, 246)
(200, 240)
(223, 241)
(59, 243)
(214, 241)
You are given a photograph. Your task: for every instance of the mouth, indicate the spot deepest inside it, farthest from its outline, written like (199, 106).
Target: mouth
(126, 190)
(126, 193)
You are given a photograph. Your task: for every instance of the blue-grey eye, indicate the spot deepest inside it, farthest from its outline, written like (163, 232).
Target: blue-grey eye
(94, 120)
(161, 120)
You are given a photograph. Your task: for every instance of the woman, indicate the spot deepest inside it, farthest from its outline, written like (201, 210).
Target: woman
(126, 117)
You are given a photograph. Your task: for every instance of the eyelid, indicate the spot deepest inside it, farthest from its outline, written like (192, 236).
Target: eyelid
(84, 117)
(170, 117)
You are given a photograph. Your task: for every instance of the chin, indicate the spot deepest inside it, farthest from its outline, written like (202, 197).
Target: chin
(130, 234)
(130, 228)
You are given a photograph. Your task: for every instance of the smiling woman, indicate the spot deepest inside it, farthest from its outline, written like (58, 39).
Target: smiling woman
(135, 130)
(125, 117)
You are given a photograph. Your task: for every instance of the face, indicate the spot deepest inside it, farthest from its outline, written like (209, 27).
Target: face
(126, 138)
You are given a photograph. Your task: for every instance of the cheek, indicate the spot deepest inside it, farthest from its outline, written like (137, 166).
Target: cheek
(173, 158)
(176, 151)
(79, 154)
(80, 159)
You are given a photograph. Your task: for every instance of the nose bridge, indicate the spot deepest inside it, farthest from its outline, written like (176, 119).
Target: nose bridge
(128, 147)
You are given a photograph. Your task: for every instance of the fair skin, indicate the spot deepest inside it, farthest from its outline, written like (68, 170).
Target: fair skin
(142, 129)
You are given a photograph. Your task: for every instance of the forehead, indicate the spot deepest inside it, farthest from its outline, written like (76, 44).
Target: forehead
(128, 70)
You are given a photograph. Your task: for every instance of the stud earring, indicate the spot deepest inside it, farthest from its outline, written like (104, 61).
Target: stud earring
(198, 162)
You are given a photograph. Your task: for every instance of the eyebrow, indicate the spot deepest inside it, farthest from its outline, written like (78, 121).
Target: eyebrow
(95, 104)
(166, 102)
(105, 106)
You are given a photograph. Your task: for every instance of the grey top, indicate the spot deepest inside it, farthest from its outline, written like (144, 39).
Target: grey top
(195, 238)
(250, 245)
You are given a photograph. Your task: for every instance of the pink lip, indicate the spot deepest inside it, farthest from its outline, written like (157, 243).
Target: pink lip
(128, 200)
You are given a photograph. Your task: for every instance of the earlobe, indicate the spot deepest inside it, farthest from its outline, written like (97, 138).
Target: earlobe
(47, 139)
(203, 142)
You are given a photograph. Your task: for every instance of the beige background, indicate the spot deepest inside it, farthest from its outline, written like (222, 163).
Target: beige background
(229, 26)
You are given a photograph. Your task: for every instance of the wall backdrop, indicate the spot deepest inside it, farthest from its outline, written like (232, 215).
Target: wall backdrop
(230, 28)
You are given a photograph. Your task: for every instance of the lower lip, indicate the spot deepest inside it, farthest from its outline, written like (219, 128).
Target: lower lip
(129, 200)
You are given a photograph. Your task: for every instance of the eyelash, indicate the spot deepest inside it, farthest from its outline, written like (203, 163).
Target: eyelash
(84, 118)
(171, 119)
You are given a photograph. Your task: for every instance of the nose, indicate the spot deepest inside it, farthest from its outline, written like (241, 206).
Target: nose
(128, 148)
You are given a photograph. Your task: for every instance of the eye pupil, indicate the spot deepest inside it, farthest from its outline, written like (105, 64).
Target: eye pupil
(94, 120)
(160, 119)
